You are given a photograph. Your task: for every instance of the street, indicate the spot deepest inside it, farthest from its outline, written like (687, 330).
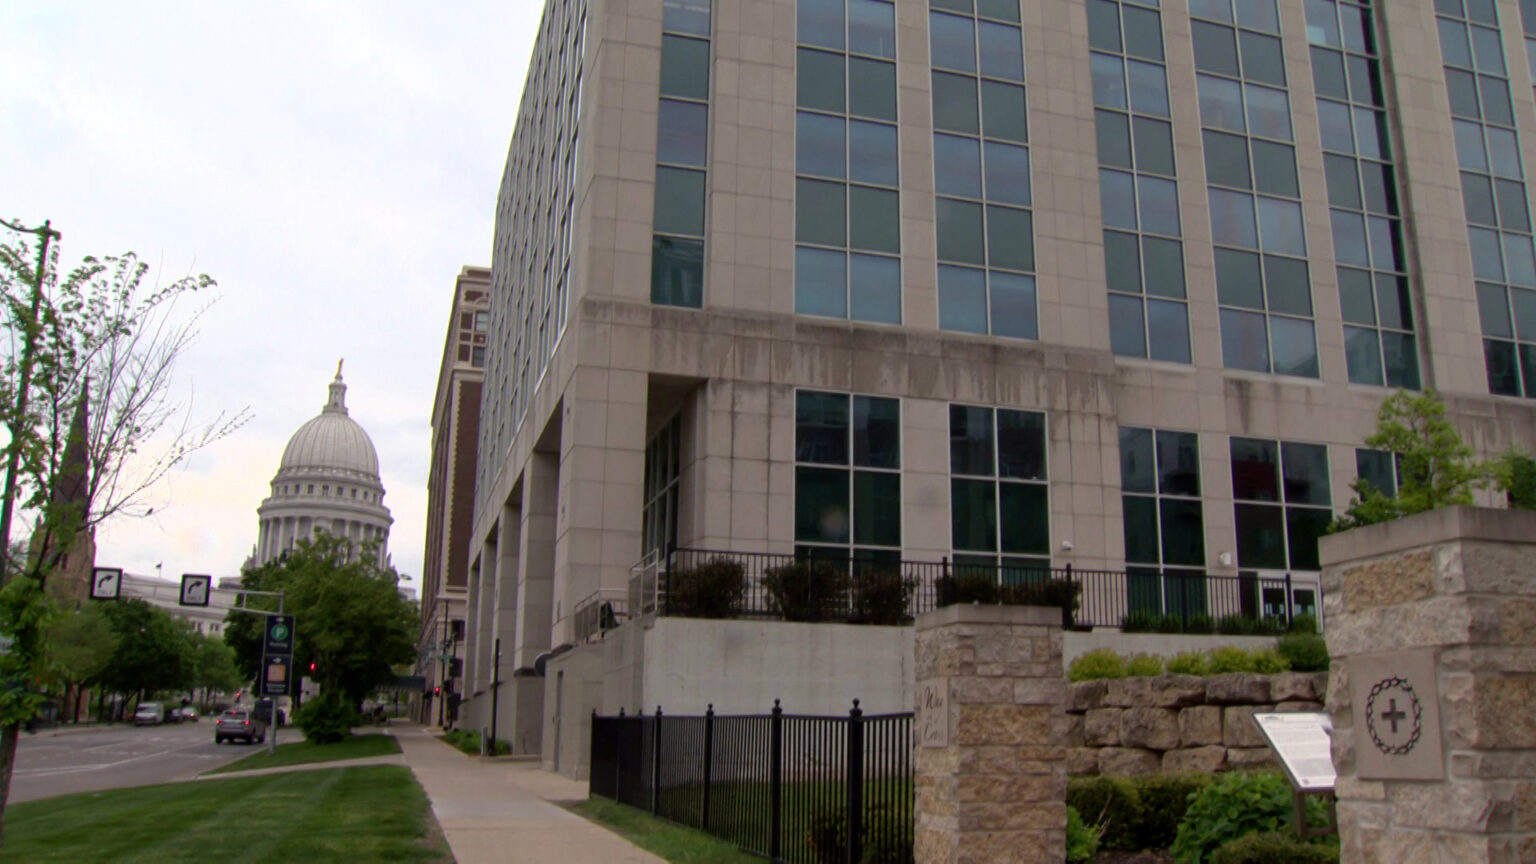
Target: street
(62, 761)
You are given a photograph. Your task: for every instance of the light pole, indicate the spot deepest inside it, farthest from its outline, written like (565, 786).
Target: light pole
(18, 417)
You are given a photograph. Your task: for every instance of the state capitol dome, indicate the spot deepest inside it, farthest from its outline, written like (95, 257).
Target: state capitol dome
(328, 480)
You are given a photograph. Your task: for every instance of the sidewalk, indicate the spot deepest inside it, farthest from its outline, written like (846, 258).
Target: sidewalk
(497, 810)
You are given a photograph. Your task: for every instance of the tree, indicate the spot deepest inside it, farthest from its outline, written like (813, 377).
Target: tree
(81, 645)
(1516, 471)
(99, 337)
(1436, 468)
(213, 665)
(154, 651)
(349, 618)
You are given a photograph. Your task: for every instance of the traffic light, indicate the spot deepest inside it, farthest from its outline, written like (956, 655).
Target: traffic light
(437, 691)
(311, 667)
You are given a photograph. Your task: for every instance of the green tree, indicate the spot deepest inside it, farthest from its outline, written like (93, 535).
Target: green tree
(98, 336)
(1516, 472)
(213, 666)
(154, 651)
(1437, 468)
(349, 618)
(81, 645)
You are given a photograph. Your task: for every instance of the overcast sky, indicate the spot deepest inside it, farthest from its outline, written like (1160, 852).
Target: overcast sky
(331, 164)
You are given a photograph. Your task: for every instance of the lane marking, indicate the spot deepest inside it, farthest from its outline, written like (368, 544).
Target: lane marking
(75, 769)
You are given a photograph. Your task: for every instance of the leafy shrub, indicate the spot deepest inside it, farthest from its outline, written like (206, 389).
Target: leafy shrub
(1140, 621)
(1268, 661)
(967, 587)
(807, 590)
(1063, 593)
(1229, 658)
(1274, 848)
(1112, 805)
(1235, 625)
(1144, 666)
(468, 741)
(1307, 652)
(1096, 664)
(1170, 624)
(1164, 798)
(1200, 623)
(883, 844)
(882, 596)
(325, 719)
(710, 590)
(1082, 841)
(1237, 803)
(1306, 622)
(1516, 473)
(1189, 663)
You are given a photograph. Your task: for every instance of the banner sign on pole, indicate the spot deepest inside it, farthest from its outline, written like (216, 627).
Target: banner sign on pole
(278, 638)
(274, 679)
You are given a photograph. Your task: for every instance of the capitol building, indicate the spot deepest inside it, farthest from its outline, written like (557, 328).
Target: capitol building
(327, 481)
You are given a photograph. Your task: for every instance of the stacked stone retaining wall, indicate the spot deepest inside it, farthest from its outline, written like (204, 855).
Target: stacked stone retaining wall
(1174, 723)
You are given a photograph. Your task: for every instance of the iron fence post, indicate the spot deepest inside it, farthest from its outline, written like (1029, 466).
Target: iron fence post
(775, 778)
(592, 753)
(709, 758)
(1289, 600)
(855, 784)
(618, 757)
(656, 763)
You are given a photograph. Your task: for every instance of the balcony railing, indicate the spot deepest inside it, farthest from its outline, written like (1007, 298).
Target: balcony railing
(730, 584)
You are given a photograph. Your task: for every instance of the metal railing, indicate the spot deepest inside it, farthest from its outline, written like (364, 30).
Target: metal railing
(839, 590)
(795, 788)
(601, 611)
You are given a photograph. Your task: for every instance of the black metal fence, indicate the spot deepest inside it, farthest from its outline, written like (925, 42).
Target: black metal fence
(1194, 599)
(795, 788)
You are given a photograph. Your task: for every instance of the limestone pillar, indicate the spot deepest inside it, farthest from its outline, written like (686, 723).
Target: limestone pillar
(1431, 621)
(990, 734)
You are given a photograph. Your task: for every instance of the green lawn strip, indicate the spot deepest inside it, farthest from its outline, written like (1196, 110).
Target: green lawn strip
(366, 813)
(302, 752)
(667, 840)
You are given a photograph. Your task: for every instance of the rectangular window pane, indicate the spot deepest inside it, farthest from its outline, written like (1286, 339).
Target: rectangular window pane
(874, 289)
(1183, 526)
(820, 282)
(685, 67)
(1003, 113)
(1127, 326)
(1021, 444)
(1255, 470)
(1168, 331)
(1025, 518)
(1141, 533)
(820, 212)
(962, 299)
(819, 80)
(1306, 473)
(876, 432)
(1138, 472)
(877, 508)
(677, 272)
(970, 440)
(1013, 310)
(1178, 463)
(874, 217)
(954, 103)
(679, 201)
(872, 88)
(959, 231)
(821, 505)
(1260, 536)
(973, 514)
(1010, 238)
(1304, 525)
(682, 132)
(821, 427)
(1244, 340)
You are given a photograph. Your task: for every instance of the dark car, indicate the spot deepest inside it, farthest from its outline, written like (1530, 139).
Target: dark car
(239, 724)
(263, 711)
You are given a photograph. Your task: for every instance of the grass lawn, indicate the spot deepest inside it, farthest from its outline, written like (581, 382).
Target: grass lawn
(367, 813)
(665, 839)
(301, 752)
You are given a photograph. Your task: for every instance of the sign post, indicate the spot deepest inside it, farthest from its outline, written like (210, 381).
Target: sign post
(1302, 741)
(276, 664)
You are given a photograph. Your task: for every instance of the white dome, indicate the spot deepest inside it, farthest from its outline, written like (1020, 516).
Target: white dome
(332, 441)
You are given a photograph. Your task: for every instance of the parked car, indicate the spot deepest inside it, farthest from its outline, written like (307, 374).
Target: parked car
(172, 714)
(149, 714)
(187, 714)
(239, 724)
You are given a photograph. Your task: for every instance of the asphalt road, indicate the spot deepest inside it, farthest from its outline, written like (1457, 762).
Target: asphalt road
(59, 762)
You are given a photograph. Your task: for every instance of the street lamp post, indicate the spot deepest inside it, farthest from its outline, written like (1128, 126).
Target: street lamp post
(18, 416)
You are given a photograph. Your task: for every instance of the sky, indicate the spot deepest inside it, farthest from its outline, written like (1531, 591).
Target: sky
(332, 165)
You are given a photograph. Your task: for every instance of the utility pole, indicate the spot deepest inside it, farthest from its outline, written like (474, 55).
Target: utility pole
(18, 417)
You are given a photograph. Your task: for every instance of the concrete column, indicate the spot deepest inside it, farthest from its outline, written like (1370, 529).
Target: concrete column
(1431, 621)
(990, 736)
(471, 628)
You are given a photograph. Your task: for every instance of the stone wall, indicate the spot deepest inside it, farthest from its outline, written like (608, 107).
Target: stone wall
(1174, 723)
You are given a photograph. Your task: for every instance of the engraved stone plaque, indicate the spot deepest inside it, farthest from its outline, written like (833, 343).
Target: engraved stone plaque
(1396, 711)
(933, 713)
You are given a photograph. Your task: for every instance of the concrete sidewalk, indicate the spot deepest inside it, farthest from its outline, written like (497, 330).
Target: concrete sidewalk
(498, 810)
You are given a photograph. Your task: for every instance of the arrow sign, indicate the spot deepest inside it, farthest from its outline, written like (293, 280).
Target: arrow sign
(275, 680)
(195, 589)
(106, 583)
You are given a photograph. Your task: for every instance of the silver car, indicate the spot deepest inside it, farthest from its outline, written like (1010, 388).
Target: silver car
(239, 724)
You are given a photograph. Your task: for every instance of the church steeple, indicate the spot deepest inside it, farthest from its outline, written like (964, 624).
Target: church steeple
(73, 484)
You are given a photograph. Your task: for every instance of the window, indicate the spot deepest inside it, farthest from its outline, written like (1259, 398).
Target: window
(1282, 503)
(1379, 468)
(1262, 282)
(682, 152)
(847, 476)
(1143, 252)
(1164, 521)
(984, 224)
(1379, 342)
(1000, 516)
(663, 468)
(847, 208)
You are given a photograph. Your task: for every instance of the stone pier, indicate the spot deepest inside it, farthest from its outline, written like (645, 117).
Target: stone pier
(1431, 621)
(990, 736)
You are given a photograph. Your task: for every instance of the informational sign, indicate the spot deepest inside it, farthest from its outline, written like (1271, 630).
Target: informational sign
(274, 681)
(1396, 705)
(195, 588)
(1301, 741)
(106, 583)
(933, 713)
(278, 639)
